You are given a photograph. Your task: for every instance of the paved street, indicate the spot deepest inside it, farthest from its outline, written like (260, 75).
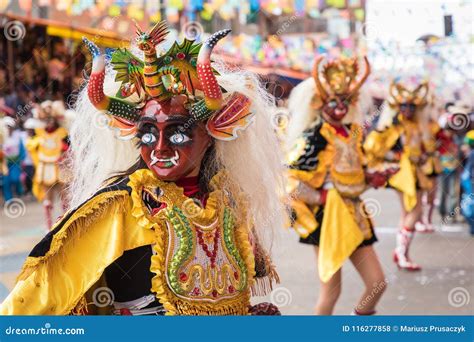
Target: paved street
(444, 286)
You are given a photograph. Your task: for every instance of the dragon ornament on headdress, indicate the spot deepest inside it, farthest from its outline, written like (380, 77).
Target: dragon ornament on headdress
(185, 69)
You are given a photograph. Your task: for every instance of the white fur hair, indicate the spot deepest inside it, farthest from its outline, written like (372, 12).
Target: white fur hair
(303, 116)
(252, 160)
(386, 117)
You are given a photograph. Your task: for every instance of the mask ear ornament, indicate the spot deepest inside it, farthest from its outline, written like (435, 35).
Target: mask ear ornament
(233, 117)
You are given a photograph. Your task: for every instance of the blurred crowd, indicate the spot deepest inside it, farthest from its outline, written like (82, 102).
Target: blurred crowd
(35, 90)
(452, 124)
(22, 138)
(42, 68)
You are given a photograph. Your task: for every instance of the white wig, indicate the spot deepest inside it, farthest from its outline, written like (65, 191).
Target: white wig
(253, 160)
(386, 117)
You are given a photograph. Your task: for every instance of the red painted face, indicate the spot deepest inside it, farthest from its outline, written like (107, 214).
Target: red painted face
(51, 124)
(408, 110)
(172, 143)
(336, 108)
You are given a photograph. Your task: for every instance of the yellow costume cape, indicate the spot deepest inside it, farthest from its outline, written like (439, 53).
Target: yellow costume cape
(71, 259)
(62, 271)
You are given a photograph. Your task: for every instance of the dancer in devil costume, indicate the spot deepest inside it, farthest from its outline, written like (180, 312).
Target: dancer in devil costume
(400, 137)
(188, 180)
(327, 177)
(47, 149)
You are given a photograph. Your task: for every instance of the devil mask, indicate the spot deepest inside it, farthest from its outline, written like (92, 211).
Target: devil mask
(180, 109)
(406, 101)
(337, 86)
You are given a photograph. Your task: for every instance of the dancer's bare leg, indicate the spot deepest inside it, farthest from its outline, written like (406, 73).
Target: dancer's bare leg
(431, 197)
(328, 293)
(367, 263)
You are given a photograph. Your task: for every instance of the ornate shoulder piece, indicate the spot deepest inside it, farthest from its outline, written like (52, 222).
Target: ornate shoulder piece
(146, 189)
(305, 154)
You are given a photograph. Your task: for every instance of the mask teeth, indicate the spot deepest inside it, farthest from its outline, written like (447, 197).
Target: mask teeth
(154, 160)
(174, 160)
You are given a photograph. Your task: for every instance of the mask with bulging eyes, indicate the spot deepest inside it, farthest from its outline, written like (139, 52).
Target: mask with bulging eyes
(336, 108)
(172, 144)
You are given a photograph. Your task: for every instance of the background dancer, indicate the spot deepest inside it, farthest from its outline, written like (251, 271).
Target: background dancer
(327, 177)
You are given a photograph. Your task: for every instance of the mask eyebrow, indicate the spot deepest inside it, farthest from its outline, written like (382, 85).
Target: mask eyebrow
(179, 119)
(146, 125)
(147, 119)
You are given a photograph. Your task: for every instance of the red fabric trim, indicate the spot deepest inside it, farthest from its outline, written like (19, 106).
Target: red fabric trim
(324, 195)
(341, 130)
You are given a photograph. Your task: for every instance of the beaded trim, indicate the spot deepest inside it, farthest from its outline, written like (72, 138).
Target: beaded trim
(224, 289)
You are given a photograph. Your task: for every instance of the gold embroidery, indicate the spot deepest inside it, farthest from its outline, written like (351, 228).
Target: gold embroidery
(346, 170)
(194, 273)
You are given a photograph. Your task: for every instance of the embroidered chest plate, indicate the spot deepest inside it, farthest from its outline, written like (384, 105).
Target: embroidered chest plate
(50, 147)
(411, 141)
(346, 170)
(203, 259)
(203, 262)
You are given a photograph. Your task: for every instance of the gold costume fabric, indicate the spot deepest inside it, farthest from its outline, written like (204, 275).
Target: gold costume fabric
(68, 264)
(404, 135)
(324, 157)
(46, 150)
